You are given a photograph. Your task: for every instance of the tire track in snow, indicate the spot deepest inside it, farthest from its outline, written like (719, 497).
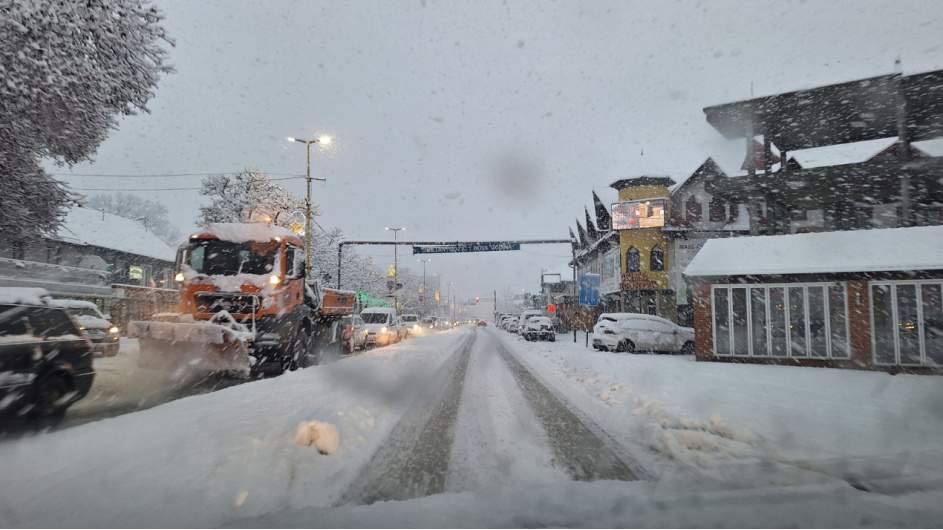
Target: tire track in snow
(580, 446)
(413, 461)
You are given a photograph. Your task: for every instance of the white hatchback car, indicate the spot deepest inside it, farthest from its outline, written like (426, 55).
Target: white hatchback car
(631, 332)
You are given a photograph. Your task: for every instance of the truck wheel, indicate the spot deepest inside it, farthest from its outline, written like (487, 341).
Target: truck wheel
(298, 349)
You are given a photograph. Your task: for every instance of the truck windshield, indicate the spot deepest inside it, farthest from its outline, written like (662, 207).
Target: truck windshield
(216, 257)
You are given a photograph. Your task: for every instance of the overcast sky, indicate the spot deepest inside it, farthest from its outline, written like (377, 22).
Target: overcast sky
(482, 120)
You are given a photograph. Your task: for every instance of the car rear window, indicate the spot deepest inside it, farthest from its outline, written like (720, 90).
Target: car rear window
(48, 322)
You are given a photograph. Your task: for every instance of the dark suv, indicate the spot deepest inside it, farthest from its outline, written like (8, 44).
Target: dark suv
(45, 361)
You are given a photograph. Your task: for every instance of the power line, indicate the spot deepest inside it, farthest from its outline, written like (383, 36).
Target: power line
(165, 175)
(164, 189)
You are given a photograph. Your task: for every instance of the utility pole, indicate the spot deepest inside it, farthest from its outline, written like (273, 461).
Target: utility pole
(395, 230)
(425, 290)
(325, 141)
(575, 296)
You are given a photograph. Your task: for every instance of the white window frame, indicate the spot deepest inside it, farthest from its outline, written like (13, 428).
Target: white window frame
(728, 288)
(921, 324)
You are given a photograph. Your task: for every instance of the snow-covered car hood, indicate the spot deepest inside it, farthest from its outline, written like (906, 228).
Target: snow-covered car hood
(687, 333)
(90, 322)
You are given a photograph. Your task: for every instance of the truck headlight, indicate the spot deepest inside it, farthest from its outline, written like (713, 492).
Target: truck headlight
(274, 279)
(383, 329)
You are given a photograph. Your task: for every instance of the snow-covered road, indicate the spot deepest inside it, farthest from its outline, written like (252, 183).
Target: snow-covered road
(478, 428)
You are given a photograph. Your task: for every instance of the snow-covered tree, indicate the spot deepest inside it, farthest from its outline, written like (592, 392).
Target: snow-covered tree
(31, 202)
(68, 70)
(247, 196)
(150, 213)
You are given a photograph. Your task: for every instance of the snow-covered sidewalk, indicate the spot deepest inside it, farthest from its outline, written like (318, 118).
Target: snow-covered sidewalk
(204, 460)
(705, 415)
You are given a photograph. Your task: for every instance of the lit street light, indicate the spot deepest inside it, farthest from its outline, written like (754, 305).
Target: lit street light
(321, 140)
(395, 230)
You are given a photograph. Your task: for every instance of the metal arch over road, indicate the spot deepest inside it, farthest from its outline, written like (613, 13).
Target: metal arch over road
(441, 247)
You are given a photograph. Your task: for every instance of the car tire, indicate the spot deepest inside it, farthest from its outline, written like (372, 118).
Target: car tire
(688, 348)
(553, 338)
(48, 393)
(625, 346)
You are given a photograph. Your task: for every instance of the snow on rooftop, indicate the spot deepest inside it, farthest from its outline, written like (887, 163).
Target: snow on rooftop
(833, 155)
(85, 226)
(244, 232)
(891, 249)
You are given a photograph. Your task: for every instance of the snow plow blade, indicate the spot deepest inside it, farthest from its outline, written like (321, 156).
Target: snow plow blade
(199, 346)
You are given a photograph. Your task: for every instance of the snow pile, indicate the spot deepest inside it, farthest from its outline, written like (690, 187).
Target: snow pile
(90, 322)
(73, 304)
(891, 249)
(705, 416)
(23, 295)
(322, 435)
(245, 232)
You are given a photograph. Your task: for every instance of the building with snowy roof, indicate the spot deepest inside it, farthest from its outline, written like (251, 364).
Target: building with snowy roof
(90, 252)
(870, 299)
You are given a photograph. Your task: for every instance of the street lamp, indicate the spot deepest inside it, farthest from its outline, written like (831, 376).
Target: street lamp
(321, 140)
(395, 230)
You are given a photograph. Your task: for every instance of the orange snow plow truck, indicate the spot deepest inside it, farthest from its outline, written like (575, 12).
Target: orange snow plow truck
(245, 305)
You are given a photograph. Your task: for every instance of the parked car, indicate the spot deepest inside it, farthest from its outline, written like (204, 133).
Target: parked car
(429, 322)
(353, 333)
(482, 323)
(539, 328)
(97, 327)
(527, 313)
(411, 324)
(511, 325)
(381, 325)
(632, 332)
(45, 360)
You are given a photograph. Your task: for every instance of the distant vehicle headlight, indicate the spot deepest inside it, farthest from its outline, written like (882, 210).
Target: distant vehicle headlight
(113, 329)
(415, 326)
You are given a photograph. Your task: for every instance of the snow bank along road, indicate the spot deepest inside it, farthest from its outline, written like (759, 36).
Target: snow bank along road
(466, 427)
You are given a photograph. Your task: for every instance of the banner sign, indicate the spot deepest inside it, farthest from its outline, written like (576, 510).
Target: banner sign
(589, 290)
(481, 246)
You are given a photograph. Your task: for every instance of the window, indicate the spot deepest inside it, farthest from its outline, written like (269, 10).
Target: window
(794, 320)
(721, 322)
(734, 211)
(657, 262)
(633, 260)
(692, 209)
(907, 322)
(13, 320)
(718, 209)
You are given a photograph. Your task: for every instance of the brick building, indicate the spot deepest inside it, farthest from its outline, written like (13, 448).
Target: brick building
(868, 299)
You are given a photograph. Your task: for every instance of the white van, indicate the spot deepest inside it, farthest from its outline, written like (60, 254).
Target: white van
(381, 324)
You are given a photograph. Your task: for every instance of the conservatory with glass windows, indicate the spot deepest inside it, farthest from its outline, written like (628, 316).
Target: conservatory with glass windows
(869, 299)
